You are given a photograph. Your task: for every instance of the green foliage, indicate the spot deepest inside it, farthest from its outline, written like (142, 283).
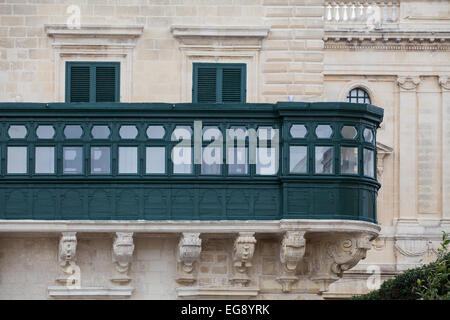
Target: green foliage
(429, 282)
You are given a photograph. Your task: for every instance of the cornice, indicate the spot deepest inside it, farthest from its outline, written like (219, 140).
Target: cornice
(179, 31)
(387, 40)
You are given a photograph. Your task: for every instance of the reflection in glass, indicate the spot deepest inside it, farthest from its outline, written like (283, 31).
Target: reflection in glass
(128, 132)
(17, 160)
(266, 133)
(128, 160)
(73, 132)
(72, 160)
(211, 160)
(237, 159)
(369, 163)
(45, 160)
(155, 132)
(155, 160)
(298, 159)
(182, 160)
(45, 132)
(324, 160)
(17, 132)
(100, 160)
(266, 161)
(348, 132)
(323, 131)
(349, 160)
(368, 135)
(100, 132)
(298, 131)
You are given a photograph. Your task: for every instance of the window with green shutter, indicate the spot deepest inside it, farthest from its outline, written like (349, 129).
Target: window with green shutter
(92, 81)
(219, 83)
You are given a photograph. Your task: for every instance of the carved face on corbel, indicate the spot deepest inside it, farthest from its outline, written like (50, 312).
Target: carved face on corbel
(123, 248)
(67, 249)
(244, 248)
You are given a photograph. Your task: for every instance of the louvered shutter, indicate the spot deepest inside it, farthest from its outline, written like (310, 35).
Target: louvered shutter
(206, 84)
(232, 85)
(105, 84)
(79, 83)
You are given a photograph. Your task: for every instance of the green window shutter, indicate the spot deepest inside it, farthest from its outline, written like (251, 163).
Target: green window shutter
(92, 81)
(79, 84)
(207, 85)
(231, 85)
(219, 82)
(105, 84)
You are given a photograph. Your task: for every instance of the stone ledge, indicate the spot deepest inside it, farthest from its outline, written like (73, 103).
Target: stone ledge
(224, 292)
(179, 31)
(89, 292)
(94, 30)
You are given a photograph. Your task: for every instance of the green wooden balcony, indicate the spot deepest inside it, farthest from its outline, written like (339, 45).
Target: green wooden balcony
(159, 161)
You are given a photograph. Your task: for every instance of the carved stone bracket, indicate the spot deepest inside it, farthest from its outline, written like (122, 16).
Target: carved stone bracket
(292, 251)
(244, 248)
(408, 83)
(70, 271)
(189, 249)
(122, 254)
(444, 81)
(328, 257)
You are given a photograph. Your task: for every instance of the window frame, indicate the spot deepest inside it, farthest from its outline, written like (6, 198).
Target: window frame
(92, 77)
(219, 80)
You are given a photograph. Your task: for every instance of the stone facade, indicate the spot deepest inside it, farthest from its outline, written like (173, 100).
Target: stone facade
(305, 50)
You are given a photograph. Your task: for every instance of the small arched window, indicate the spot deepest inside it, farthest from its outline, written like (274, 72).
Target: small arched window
(358, 95)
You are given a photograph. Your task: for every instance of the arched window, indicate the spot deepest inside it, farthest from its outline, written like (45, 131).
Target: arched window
(358, 95)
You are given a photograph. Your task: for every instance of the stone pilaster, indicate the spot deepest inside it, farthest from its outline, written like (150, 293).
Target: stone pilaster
(408, 189)
(189, 249)
(122, 255)
(444, 81)
(244, 248)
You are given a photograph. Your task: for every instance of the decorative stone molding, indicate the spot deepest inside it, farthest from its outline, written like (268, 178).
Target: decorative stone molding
(408, 83)
(291, 253)
(90, 292)
(94, 43)
(382, 151)
(329, 256)
(413, 252)
(244, 248)
(70, 272)
(444, 81)
(189, 249)
(122, 255)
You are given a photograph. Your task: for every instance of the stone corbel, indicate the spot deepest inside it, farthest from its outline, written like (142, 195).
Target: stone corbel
(122, 255)
(189, 249)
(444, 81)
(244, 248)
(408, 83)
(291, 253)
(70, 275)
(382, 152)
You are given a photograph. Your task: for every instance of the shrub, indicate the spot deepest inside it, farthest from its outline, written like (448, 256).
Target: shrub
(428, 282)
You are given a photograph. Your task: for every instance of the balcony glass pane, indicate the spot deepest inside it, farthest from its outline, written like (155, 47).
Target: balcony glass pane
(72, 160)
(324, 160)
(211, 160)
(17, 160)
(155, 160)
(73, 132)
(182, 160)
(45, 132)
(298, 159)
(100, 132)
(349, 132)
(17, 132)
(324, 131)
(368, 135)
(45, 160)
(128, 160)
(128, 132)
(100, 160)
(349, 160)
(298, 131)
(237, 160)
(369, 162)
(266, 133)
(211, 133)
(155, 132)
(266, 161)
